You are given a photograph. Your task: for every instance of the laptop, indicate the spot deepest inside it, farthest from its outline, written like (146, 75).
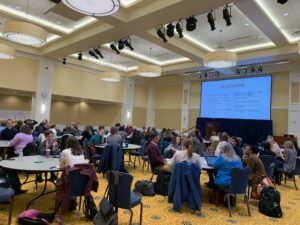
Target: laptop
(211, 160)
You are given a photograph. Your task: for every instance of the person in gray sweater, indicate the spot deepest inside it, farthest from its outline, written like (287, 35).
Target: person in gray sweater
(290, 157)
(114, 138)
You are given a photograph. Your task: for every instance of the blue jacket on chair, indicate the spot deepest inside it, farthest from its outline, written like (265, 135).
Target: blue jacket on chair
(111, 159)
(185, 186)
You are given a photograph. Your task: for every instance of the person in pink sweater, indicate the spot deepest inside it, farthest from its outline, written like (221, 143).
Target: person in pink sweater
(21, 139)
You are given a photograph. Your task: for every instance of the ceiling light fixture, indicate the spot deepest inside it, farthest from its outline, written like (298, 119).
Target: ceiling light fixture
(92, 53)
(220, 58)
(79, 56)
(227, 15)
(149, 70)
(24, 33)
(161, 34)
(110, 76)
(94, 7)
(127, 43)
(191, 23)
(179, 29)
(6, 52)
(170, 30)
(211, 20)
(98, 52)
(120, 45)
(64, 61)
(114, 48)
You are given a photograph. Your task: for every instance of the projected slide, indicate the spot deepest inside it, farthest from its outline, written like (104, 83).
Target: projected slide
(245, 98)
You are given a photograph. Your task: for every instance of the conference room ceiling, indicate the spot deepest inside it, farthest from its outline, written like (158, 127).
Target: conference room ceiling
(260, 31)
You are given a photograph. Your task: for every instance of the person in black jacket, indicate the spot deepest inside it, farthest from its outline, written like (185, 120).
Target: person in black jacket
(234, 142)
(9, 132)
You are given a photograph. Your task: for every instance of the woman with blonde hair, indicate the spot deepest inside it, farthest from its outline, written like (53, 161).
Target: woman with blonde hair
(212, 148)
(186, 155)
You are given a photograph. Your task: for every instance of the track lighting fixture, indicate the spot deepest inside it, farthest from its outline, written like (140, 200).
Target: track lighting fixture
(211, 20)
(191, 23)
(79, 56)
(64, 61)
(227, 15)
(114, 48)
(170, 30)
(179, 29)
(97, 51)
(282, 1)
(127, 43)
(260, 69)
(92, 53)
(161, 34)
(252, 69)
(120, 45)
(245, 70)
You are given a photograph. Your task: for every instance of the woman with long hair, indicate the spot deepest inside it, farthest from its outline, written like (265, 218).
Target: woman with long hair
(186, 155)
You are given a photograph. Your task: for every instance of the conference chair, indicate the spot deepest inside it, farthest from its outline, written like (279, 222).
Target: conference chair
(293, 174)
(267, 160)
(120, 194)
(270, 174)
(7, 195)
(238, 186)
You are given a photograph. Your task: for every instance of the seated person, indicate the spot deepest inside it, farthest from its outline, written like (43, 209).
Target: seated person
(9, 132)
(255, 164)
(156, 160)
(114, 138)
(227, 160)
(48, 143)
(290, 157)
(214, 137)
(87, 133)
(174, 146)
(72, 155)
(9, 182)
(223, 141)
(267, 149)
(275, 148)
(186, 155)
(21, 139)
(97, 138)
(122, 133)
(212, 148)
(234, 142)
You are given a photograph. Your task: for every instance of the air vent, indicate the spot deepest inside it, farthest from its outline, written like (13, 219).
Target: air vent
(240, 38)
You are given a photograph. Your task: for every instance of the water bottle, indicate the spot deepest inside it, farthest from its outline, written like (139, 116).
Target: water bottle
(21, 155)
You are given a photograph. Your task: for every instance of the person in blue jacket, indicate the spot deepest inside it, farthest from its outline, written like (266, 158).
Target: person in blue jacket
(227, 160)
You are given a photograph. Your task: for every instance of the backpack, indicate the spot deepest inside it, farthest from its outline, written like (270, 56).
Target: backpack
(269, 203)
(161, 185)
(145, 187)
(89, 207)
(106, 214)
(34, 217)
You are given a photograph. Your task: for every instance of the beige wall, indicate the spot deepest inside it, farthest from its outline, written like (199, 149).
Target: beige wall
(169, 97)
(168, 118)
(20, 74)
(139, 117)
(12, 102)
(85, 113)
(77, 83)
(140, 95)
(280, 89)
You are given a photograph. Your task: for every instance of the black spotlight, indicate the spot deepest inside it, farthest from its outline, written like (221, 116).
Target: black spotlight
(128, 44)
(260, 69)
(113, 47)
(238, 70)
(245, 70)
(252, 70)
(191, 23)
(211, 20)
(205, 75)
(79, 56)
(282, 1)
(227, 15)
(170, 30)
(120, 45)
(64, 61)
(97, 51)
(179, 29)
(92, 53)
(161, 35)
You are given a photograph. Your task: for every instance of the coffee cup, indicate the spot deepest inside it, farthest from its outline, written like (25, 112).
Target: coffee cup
(48, 151)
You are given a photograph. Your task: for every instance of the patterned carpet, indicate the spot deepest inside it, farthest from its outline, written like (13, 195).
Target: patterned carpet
(157, 210)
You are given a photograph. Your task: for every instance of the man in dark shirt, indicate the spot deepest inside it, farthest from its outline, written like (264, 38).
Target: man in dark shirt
(157, 161)
(9, 132)
(234, 142)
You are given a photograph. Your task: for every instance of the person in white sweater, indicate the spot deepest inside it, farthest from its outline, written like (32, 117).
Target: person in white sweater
(72, 155)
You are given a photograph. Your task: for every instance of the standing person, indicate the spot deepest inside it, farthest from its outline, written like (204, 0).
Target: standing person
(257, 168)
(21, 139)
(156, 160)
(9, 132)
(98, 137)
(114, 138)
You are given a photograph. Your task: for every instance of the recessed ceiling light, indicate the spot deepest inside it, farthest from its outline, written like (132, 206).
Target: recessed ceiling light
(285, 14)
(246, 24)
(18, 7)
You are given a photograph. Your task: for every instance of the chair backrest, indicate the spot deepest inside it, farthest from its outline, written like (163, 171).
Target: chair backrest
(239, 180)
(144, 143)
(119, 189)
(30, 149)
(296, 171)
(86, 149)
(267, 160)
(111, 159)
(270, 170)
(78, 183)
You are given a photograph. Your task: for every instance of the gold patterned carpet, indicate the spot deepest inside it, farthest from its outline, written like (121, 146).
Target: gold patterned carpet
(157, 210)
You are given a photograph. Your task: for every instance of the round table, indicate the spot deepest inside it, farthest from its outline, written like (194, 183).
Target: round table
(33, 164)
(4, 144)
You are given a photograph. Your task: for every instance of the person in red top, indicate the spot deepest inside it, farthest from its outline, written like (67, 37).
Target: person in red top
(156, 159)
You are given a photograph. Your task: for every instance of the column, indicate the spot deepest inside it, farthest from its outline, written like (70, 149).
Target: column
(151, 107)
(41, 102)
(128, 101)
(294, 104)
(185, 106)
